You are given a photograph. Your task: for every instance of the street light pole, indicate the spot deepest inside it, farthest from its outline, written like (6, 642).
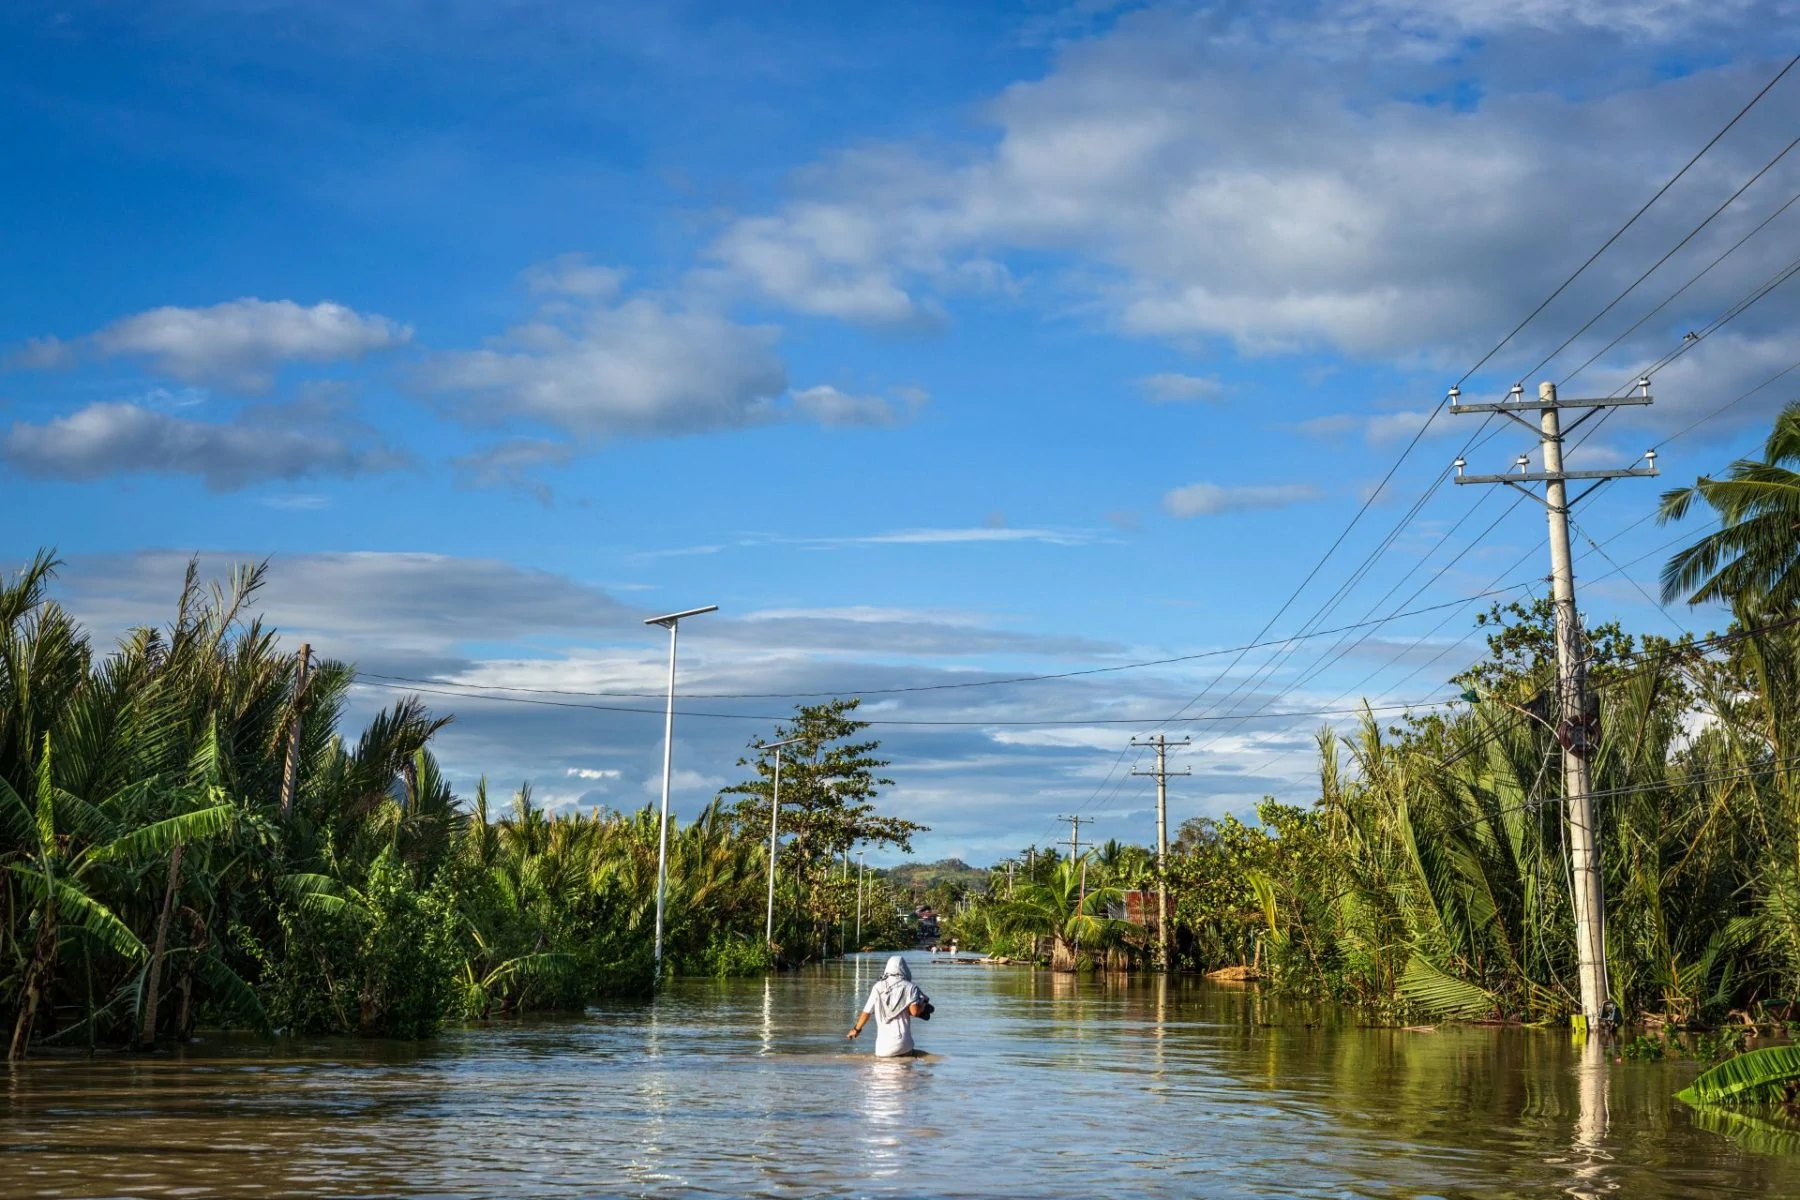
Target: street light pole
(862, 873)
(774, 818)
(671, 622)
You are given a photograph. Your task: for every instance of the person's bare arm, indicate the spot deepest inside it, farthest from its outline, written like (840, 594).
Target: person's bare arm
(916, 1009)
(862, 1018)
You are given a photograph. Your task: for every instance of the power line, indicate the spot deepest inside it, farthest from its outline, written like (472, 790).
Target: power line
(1437, 410)
(1672, 251)
(1673, 179)
(882, 721)
(1672, 296)
(932, 687)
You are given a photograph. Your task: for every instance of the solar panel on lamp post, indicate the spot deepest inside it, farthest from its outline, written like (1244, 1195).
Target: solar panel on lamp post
(774, 818)
(671, 622)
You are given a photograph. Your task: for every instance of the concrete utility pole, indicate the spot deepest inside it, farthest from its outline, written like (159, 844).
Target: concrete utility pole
(1578, 724)
(290, 771)
(1075, 824)
(1162, 773)
(862, 873)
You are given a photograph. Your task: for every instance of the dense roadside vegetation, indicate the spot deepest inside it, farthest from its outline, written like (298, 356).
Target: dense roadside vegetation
(151, 881)
(1431, 873)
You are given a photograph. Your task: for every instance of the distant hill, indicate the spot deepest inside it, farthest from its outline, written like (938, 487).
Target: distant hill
(917, 877)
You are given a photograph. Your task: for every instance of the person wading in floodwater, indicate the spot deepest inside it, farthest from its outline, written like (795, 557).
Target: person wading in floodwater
(894, 1000)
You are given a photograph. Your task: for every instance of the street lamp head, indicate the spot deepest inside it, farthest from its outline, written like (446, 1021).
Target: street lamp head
(671, 618)
(781, 743)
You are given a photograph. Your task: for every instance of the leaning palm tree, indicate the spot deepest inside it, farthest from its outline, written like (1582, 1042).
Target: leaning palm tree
(1753, 557)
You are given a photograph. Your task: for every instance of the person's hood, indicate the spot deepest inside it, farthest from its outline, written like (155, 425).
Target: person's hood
(897, 966)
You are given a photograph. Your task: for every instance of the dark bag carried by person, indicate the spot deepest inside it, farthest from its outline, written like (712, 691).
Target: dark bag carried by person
(926, 1007)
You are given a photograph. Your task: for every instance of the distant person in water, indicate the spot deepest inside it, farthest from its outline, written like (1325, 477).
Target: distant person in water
(894, 1001)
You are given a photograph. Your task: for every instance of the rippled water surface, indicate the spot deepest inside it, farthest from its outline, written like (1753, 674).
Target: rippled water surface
(1036, 1085)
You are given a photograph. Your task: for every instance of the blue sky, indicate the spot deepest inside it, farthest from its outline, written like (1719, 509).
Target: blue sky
(945, 343)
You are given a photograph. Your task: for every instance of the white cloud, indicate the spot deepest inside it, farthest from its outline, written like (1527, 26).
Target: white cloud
(514, 463)
(591, 773)
(1208, 499)
(859, 612)
(42, 354)
(825, 259)
(941, 537)
(264, 442)
(1362, 209)
(835, 409)
(1378, 428)
(240, 343)
(295, 502)
(1172, 387)
(636, 368)
(575, 275)
(685, 780)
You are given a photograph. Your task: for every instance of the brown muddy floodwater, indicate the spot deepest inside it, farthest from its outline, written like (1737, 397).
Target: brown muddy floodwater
(1037, 1085)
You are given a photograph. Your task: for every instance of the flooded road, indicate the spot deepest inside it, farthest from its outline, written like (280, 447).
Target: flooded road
(1037, 1085)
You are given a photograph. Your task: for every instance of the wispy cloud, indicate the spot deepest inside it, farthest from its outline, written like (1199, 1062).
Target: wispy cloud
(264, 442)
(237, 344)
(1209, 499)
(979, 533)
(1170, 387)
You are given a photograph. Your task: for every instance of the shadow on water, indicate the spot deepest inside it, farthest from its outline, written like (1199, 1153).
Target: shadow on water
(1036, 1084)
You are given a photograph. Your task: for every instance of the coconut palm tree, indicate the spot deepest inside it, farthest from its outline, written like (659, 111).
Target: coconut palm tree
(1754, 557)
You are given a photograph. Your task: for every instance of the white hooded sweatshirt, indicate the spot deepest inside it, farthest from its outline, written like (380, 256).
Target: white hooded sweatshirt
(889, 1001)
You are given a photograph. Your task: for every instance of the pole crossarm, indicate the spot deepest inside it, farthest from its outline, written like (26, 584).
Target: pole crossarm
(1559, 476)
(1539, 405)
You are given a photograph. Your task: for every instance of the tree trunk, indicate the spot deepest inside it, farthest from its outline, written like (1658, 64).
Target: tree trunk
(147, 1035)
(37, 976)
(197, 942)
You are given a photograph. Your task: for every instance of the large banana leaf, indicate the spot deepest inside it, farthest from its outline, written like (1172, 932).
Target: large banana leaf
(159, 836)
(232, 988)
(315, 893)
(74, 907)
(1442, 994)
(1752, 1078)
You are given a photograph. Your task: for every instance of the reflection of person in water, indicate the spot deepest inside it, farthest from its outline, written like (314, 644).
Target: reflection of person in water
(894, 1001)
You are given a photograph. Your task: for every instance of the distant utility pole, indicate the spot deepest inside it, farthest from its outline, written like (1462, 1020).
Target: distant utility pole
(290, 771)
(1075, 824)
(1578, 724)
(1162, 773)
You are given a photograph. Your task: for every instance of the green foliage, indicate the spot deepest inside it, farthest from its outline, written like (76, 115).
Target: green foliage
(1766, 1076)
(1749, 561)
(151, 877)
(407, 953)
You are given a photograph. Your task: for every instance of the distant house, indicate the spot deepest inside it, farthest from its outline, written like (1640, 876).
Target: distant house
(1137, 906)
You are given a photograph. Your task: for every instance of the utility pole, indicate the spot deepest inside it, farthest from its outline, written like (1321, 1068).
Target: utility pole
(862, 873)
(1578, 725)
(1162, 773)
(290, 771)
(1075, 824)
